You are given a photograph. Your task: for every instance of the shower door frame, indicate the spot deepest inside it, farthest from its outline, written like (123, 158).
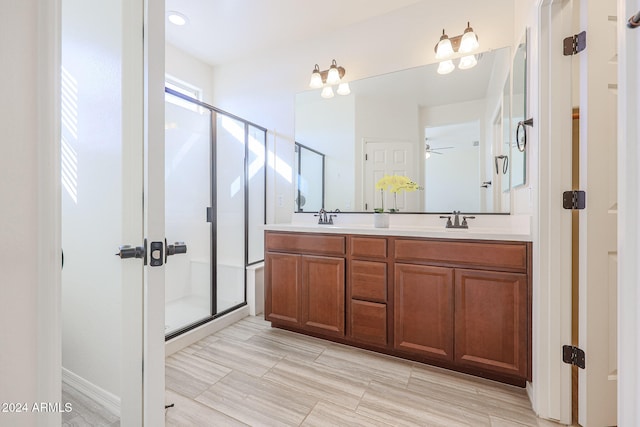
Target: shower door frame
(213, 218)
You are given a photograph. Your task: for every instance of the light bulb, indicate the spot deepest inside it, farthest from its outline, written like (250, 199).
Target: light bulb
(467, 62)
(316, 78)
(444, 48)
(469, 42)
(327, 92)
(333, 77)
(446, 67)
(427, 154)
(343, 89)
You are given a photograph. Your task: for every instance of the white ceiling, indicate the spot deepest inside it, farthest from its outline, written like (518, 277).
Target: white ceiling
(222, 31)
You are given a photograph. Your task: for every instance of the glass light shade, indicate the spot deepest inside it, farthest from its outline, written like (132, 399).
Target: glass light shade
(446, 67)
(343, 89)
(427, 154)
(467, 62)
(469, 42)
(333, 77)
(327, 92)
(316, 80)
(444, 49)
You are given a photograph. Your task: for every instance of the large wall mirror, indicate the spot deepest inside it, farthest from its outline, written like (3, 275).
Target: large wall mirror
(448, 133)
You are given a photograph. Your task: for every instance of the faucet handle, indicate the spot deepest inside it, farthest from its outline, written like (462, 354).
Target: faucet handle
(465, 218)
(449, 223)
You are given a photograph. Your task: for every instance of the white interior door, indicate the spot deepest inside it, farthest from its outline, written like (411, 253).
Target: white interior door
(598, 258)
(110, 307)
(390, 158)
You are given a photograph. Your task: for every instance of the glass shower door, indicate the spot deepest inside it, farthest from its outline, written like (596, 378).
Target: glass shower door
(188, 196)
(230, 212)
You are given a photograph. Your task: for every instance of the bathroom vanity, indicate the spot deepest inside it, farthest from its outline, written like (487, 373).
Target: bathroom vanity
(456, 300)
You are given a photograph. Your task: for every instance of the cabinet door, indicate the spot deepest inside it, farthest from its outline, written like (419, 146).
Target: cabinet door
(423, 315)
(491, 321)
(323, 295)
(282, 293)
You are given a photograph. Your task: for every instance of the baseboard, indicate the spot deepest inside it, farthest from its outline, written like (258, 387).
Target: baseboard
(193, 336)
(107, 400)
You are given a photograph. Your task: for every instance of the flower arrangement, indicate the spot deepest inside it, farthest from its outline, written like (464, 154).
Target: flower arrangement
(395, 184)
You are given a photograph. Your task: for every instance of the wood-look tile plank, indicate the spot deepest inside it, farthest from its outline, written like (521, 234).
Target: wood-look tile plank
(241, 331)
(323, 382)
(404, 407)
(240, 356)
(286, 348)
(257, 401)
(367, 365)
(325, 414)
(85, 411)
(190, 375)
(188, 412)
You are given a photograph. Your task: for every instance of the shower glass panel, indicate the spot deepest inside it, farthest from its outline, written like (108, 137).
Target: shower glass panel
(188, 194)
(256, 193)
(231, 137)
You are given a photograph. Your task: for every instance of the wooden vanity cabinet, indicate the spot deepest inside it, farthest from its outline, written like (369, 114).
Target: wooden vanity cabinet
(460, 304)
(464, 302)
(305, 282)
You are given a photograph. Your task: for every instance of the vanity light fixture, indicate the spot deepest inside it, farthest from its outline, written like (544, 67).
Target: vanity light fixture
(447, 47)
(326, 79)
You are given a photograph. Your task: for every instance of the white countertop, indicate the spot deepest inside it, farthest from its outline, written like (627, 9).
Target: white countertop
(483, 227)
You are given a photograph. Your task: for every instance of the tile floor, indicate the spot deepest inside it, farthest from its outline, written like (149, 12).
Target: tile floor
(252, 374)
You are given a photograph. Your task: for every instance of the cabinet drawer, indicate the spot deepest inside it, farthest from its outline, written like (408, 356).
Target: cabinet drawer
(369, 322)
(369, 280)
(368, 247)
(507, 256)
(319, 244)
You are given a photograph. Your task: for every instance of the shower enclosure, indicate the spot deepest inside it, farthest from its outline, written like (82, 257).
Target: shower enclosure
(214, 198)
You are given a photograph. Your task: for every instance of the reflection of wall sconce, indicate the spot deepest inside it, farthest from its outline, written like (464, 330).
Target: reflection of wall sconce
(327, 78)
(505, 165)
(465, 43)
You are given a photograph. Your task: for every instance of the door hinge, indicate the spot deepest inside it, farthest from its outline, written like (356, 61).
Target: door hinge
(573, 356)
(574, 44)
(576, 199)
(366, 157)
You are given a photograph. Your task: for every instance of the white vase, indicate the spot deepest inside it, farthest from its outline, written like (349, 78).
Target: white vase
(381, 220)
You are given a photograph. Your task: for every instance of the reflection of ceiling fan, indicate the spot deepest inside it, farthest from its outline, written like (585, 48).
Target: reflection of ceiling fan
(429, 150)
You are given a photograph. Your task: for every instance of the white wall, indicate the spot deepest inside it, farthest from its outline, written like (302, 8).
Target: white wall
(185, 67)
(30, 255)
(262, 88)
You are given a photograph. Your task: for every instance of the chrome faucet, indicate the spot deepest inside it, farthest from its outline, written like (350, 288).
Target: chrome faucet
(323, 219)
(456, 221)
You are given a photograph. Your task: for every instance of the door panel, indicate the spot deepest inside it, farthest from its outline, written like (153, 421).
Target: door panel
(597, 312)
(102, 170)
(390, 158)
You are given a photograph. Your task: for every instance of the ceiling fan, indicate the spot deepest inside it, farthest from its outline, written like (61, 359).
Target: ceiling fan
(429, 150)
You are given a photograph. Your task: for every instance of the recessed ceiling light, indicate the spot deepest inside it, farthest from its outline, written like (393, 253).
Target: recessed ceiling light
(177, 18)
